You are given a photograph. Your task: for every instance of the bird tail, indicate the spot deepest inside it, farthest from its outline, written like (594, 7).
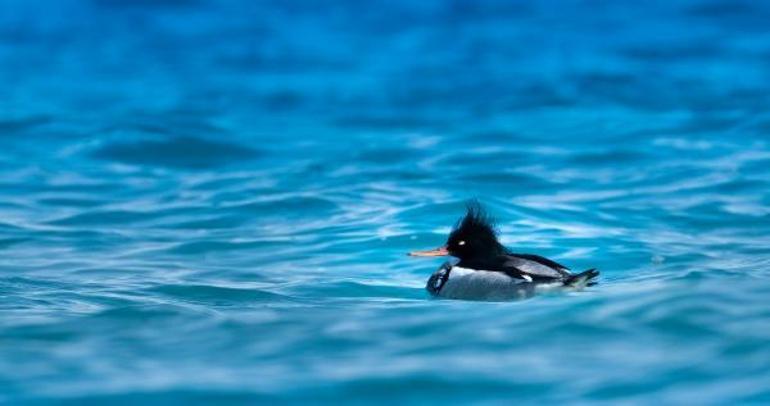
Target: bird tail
(582, 279)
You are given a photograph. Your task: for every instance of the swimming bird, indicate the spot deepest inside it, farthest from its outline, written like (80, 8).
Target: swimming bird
(487, 270)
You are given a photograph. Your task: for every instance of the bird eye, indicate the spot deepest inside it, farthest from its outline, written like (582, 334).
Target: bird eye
(461, 243)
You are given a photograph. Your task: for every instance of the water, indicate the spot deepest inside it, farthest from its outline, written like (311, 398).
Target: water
(211, 201)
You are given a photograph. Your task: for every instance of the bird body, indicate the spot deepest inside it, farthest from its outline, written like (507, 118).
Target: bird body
(486, 270)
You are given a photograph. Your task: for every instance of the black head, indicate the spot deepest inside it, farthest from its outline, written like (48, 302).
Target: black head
(474, 236)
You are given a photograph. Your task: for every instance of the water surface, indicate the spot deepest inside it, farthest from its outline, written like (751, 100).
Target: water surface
(207, 201)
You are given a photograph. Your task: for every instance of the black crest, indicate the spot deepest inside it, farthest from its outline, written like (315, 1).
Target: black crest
(476, 220)
(474, 235)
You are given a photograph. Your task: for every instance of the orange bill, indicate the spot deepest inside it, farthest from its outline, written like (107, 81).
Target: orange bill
(438, 252)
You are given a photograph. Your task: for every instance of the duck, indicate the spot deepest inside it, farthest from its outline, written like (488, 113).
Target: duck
(484, 269)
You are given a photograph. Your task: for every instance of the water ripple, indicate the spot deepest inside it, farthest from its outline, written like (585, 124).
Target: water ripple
(176, 152)
(211, 202)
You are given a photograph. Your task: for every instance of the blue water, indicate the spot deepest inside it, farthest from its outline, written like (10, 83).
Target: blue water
(208, 201)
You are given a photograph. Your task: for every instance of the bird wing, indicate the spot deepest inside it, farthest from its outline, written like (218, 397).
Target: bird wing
(536, 266)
